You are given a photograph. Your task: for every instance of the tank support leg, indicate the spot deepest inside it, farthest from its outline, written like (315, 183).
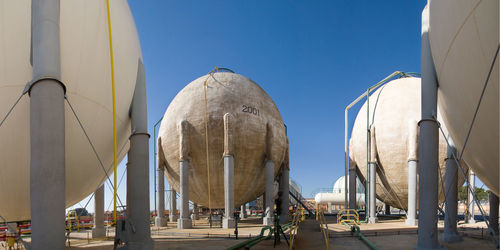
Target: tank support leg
(228, 221)
(160, 220)
(243, 210)
(372, 206)
(428, 149)
(472, 181)
(196, 211)
(269, 204)
(387, 209)
(352, 186)
(411, 216)
(138, 212)
(494, 212)
(98, 230)
(184, 221)
(450, 233)
(284, 188)
(173, 205)
(47, 130)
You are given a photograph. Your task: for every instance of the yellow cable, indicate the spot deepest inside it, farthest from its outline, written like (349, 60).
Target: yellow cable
(114, 109)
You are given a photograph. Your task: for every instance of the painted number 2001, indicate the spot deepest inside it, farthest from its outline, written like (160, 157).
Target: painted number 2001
(251, 110)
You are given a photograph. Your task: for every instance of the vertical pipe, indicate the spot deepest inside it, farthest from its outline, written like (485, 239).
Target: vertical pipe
(184, 221)
(494, 212)
(450, 233)
(98, 230)
(160, 220)
(269, 204)
(47, 130)
(173, 204)
(228, 221)
(346, 159)
(285, 196)
(138, 169)
(372, 177)
(472, 181)
(411, 217)
(428, 150)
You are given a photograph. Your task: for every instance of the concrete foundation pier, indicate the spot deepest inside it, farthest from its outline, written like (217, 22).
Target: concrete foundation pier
(138, 212)
(494, 212)
(428, 148)
(173, 205)
(284, 188)
(228, 221)
(98, 230)
(450, 233)
(472, 204)
(411, 216)
(47, 130)
(269, 203)
(160, 219)
(184, 221)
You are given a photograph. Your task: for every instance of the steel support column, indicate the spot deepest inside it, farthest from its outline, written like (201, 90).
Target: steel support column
(450, 233)
(47, 130)
(98, 230)
(160, 219)
(269, 203)
(428, 149)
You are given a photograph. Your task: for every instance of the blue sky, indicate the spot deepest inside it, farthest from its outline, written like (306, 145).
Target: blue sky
(312, 57)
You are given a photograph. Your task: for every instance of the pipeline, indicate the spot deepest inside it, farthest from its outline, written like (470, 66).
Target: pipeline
(355, 229)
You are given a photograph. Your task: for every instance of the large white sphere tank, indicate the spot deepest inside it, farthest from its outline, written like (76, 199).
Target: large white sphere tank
(392, 108)
(339, 186)
(464, 37)
(253, 116)
(86, 73)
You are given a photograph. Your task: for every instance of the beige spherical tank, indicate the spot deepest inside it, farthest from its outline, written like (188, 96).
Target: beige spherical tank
(257, 133)
(394, 113)
(85, 71)
(463, 35)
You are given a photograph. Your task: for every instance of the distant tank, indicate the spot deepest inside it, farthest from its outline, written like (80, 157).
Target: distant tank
(337, 196)
(394, 108)
(464, 37)
(258, 134)
(85, 71)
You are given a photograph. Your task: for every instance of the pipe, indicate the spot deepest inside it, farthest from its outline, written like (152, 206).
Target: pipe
(365, 240)
(47, 130)
(428, 150)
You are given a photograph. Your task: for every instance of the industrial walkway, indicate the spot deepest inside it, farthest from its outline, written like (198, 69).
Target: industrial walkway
(309, 235)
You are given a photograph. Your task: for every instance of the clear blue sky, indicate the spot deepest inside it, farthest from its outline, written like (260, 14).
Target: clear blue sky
(312, 57)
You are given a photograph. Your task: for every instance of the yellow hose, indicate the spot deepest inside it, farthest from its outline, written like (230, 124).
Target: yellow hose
(114, 110)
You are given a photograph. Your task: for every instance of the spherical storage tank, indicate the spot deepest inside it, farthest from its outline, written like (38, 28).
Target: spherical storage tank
(257, 134)
(86, 73)
(394, 111)
(463, 36)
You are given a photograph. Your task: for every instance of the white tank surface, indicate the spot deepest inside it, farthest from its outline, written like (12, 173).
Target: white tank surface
(394, 111)
(257, 134)
(337, 196)
(85, 71)
(464, 37)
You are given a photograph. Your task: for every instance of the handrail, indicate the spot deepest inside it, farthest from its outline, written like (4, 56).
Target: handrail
(348, 215)
(294, 228)
(324, 229)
